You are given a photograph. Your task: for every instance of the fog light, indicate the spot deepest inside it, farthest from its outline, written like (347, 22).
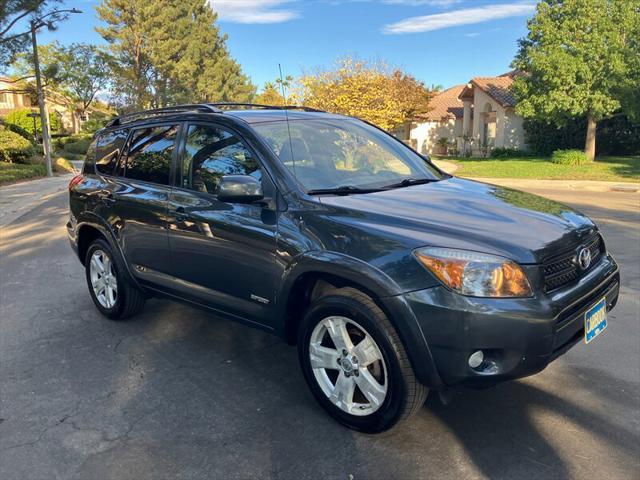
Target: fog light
(476, 359)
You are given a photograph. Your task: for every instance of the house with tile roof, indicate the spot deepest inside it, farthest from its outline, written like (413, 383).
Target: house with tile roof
(19, 95)
(472, 117)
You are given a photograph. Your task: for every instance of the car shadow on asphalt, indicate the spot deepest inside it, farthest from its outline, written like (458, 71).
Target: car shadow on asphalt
(522, 430)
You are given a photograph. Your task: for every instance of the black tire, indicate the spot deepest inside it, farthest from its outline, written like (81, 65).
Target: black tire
(129, 300)
(404, 394)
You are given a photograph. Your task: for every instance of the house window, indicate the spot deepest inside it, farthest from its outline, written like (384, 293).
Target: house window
(4, 98)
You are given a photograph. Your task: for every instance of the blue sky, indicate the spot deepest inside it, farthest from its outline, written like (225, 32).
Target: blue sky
(441, 42)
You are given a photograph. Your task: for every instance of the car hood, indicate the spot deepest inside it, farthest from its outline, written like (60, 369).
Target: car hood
(467, 214)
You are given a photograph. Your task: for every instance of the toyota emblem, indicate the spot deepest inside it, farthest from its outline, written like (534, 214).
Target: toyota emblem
(584, 258)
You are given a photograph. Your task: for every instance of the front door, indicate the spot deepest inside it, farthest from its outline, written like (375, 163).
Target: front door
(223, 254)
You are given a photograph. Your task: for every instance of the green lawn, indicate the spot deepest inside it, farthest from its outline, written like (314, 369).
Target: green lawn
(614, 169)
(12, 172)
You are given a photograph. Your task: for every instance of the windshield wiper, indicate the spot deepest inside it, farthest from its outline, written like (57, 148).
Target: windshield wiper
(342, 190)
(407, 182)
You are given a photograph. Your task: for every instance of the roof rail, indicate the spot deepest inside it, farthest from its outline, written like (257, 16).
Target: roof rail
(190, 107)
(228, 105)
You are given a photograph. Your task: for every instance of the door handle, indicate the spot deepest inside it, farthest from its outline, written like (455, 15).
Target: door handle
(181, 214)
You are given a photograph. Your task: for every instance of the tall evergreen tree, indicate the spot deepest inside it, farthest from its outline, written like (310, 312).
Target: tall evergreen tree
(167, 52)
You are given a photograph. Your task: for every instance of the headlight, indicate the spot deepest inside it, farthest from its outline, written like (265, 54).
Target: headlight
(475, 274)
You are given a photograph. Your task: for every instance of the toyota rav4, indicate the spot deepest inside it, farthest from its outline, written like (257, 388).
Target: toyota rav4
(392, 277)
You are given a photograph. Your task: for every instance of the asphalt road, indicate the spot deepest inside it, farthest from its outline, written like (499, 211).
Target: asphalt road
(178, 393)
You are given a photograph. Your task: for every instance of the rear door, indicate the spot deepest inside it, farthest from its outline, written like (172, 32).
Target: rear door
(139, 199)
(223, 253)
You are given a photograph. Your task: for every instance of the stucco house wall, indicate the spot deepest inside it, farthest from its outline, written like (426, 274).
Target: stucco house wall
(10, 100)
(513, 127)
(56, 104)
(482, 103)
(484, 107)
(425, 135)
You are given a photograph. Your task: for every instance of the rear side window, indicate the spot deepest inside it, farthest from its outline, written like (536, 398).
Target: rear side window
(108, 150)
(150, 153)
(90, 157)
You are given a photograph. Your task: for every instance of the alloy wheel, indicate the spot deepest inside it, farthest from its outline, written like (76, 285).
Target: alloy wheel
(348, 365)
(103, 279)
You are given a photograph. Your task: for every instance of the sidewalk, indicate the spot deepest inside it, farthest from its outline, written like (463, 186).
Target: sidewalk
(19, 198)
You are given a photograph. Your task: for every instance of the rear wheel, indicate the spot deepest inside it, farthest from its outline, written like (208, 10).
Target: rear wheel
(355, 363)
(111, 291)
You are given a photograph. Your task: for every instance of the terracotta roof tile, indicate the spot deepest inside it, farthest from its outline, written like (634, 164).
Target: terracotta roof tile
(498, 88)
(445, 105)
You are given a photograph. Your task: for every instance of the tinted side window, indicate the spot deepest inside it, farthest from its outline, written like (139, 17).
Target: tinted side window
(210, 153)
(149, 155)
(90, 157)
(108, 150)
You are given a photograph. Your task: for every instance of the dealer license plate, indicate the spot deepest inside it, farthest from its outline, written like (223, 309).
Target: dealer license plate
(595, 320)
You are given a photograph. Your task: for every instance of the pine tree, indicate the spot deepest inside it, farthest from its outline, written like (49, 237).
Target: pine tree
(167, 52)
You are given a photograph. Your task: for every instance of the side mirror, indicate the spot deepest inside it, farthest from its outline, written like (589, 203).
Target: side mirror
(239, 189)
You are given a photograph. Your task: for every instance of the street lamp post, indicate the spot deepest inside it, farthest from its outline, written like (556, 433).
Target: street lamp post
(44, 114)
(42, 103)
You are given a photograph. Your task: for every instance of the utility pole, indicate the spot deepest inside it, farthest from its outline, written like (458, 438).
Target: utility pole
(44, 114)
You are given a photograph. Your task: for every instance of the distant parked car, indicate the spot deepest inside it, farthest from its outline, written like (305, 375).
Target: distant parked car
(390, 276)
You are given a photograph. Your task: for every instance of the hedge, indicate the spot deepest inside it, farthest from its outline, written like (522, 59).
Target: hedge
(614, 136)
(14, 148)
(506, 152)
(20, 119)
(79, 146)
(17, 129)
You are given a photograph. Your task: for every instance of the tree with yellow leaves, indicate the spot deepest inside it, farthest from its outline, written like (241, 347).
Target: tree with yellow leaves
(369, 90)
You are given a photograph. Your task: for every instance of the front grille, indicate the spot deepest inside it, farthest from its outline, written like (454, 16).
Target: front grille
(564, 269)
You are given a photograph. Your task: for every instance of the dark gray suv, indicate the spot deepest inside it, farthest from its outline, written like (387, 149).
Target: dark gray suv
(390, 276)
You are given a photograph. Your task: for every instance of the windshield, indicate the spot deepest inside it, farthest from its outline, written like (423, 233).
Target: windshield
(331, 154)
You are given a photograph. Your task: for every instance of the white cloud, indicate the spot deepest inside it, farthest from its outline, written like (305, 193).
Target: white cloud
(417, 3)
(409, 3)
(253, 11)
(472, 34)
(454, 18)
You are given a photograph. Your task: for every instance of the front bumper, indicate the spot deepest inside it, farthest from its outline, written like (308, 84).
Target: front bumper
(518, 337)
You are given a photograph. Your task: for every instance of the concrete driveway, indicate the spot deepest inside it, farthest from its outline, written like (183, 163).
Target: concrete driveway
(177, 393)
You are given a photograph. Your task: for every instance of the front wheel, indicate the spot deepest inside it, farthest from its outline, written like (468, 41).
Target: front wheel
(355, 363)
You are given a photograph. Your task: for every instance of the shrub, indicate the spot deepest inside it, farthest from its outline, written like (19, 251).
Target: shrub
(569, 157)
(17, 129)
(500, 152)
(96, 122)
(63, 140)
(78, 147)
(20, 119)
(14, 148)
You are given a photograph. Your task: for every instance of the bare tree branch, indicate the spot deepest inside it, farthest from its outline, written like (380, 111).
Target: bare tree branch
(16, 20)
